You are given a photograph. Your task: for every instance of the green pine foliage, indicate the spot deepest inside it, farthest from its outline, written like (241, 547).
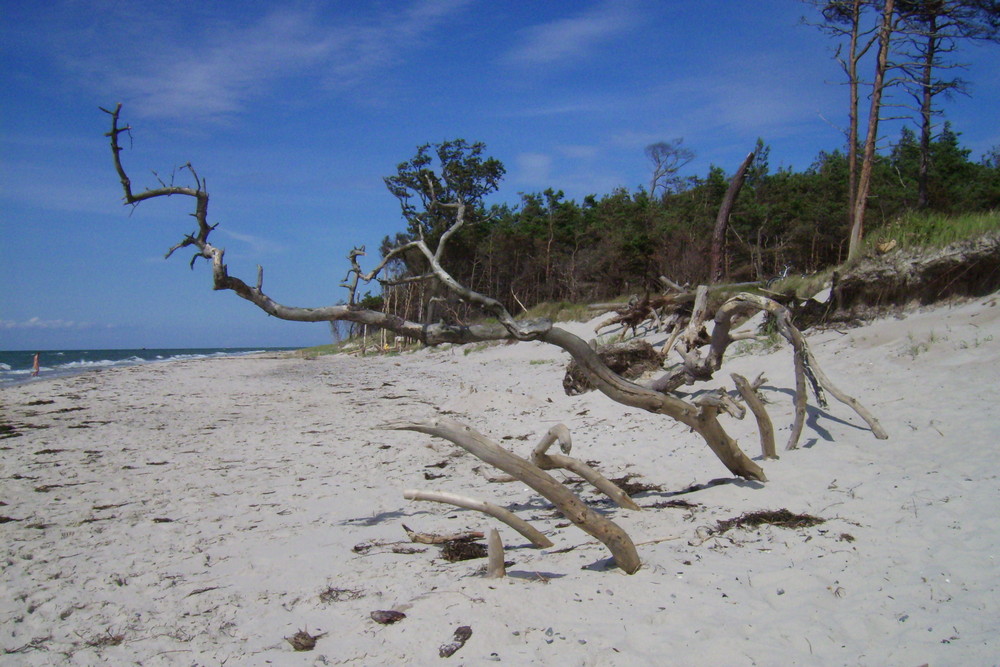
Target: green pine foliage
(547, 249)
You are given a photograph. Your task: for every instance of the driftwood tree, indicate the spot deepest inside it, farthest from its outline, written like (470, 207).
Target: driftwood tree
(701, 416)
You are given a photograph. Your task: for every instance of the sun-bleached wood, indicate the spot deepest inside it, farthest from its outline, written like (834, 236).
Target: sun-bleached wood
(560, 433)
(531, 533)
(764, 425)
(703, 422)
(617, 540)
(701, 418)
(495, 566)
(436, 538)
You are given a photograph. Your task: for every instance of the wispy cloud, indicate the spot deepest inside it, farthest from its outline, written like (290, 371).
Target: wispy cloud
(533, 169)
(38, 323)
(258, 244)
(560, 108)
(215, 73)
(740, 96)
(569, 39)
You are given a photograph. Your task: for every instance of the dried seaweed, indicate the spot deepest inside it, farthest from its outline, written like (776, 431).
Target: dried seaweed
(782, 518)
(677, 504)
(332, 594)
(456, 550)
(631, 488)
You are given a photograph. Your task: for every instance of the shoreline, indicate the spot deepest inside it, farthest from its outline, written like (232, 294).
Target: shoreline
(209, 509)
(15, 366)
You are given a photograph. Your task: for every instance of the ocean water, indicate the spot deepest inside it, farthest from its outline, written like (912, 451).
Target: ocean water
(15, 367)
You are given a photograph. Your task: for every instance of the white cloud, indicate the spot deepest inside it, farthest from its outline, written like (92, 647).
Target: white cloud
(569, 39)
(258, 244)
(215, 73)
(533, 169)
(38, 323)
(574, 107)
(579, 151)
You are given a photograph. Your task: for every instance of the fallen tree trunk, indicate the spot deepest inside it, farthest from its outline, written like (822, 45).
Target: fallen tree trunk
(630, 360)
(701, 417)
(703, 420)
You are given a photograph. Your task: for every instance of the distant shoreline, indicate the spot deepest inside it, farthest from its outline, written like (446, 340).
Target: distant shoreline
(16, 366)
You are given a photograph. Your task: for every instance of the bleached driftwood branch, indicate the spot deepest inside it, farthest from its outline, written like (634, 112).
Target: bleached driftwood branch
(703, 422)
(617, 540)
(701, 365)
(495, 566)
(436, 538)
(701, 418)
(532, 534)
(559, 433)
(764, 426)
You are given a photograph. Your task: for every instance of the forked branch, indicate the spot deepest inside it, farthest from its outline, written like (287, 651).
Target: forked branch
(574, 509)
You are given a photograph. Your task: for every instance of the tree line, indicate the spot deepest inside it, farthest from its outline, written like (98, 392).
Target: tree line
(550, 248)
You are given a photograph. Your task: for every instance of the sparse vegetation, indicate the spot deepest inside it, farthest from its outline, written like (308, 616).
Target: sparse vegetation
(561, 311)
(974, 343)
(931, 230)
(916, 346)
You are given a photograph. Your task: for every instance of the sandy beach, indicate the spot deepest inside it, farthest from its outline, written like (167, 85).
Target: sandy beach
(203, 512)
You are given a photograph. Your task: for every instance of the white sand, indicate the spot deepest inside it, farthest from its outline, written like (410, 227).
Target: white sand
(194, 513)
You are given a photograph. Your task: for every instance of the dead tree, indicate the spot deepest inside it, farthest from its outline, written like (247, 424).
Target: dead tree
(702, 416)
(722, 219)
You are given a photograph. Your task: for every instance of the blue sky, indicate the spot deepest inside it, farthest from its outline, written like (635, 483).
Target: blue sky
(294, 111)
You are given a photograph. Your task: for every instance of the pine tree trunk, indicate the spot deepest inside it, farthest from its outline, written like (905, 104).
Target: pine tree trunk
(868, 160)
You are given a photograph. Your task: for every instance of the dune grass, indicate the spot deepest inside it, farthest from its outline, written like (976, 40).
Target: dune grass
(931, 230)
(913, 231)
(559, 311)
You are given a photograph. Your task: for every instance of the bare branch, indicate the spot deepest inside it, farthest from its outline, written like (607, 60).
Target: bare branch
(756, 406)
(559, 433)
(495, 568)
(532, 534)
(605, 530)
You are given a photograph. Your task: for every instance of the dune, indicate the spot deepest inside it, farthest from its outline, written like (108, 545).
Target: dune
(250, 511)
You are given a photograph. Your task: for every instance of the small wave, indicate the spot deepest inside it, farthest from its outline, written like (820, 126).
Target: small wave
(63, 367)
(100, 363)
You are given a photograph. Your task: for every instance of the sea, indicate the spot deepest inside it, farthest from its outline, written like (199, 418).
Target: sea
(16, 367)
